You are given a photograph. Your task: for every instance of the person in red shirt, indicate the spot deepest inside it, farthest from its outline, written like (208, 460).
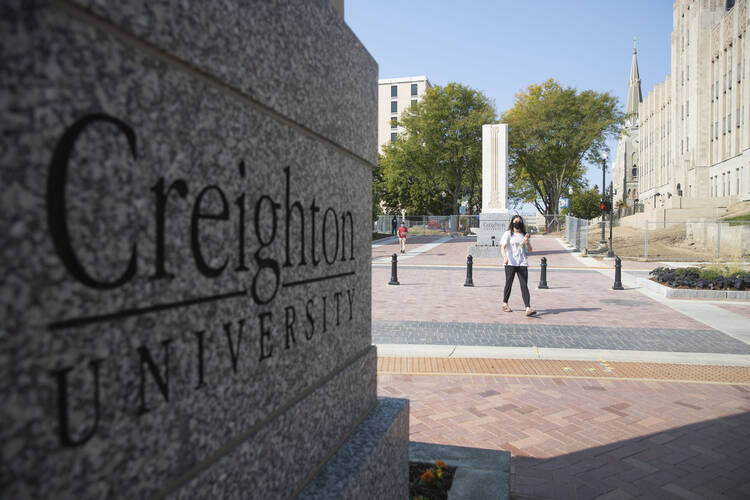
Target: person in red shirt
(402, 236)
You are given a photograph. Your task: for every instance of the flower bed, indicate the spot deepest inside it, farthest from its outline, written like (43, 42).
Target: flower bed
(430, 482)
(710, 278)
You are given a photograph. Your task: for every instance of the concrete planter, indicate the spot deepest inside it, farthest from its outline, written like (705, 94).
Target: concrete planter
(691, 293)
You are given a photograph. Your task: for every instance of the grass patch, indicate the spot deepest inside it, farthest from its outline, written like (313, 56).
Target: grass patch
(738, 220)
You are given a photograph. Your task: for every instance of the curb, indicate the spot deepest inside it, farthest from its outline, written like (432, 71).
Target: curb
(481, 473)
(691, 294)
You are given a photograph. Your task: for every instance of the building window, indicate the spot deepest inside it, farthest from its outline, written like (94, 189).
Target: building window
(413, 102)
(737, 181)
(712, 132)
(724, 83)
(394, 135)
(394, 122)
(394, 106)
(729, 123)
(634, 171)
(687, 108)
(730, 79)
(687, 144)
(394, 90)
(414, 89)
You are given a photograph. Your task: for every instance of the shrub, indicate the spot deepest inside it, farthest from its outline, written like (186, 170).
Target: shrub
(713, 277)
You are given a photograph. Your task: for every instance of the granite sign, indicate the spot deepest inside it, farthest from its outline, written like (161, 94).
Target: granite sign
(185, 256)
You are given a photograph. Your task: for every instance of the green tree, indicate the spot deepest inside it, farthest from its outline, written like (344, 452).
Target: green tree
(441, 150)
(551, 132)
(584, 203)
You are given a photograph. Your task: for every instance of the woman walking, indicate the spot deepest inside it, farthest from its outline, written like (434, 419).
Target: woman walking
(515, 245)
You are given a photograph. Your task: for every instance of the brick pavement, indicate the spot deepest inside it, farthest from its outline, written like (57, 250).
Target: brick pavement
(741, 309)
(591, 438)
(582, 297)
(556, 336)
(563, 369)
(412, 242)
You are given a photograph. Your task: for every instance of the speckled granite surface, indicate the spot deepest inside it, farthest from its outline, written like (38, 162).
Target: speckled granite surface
(372, 463)
(157, 312)
(298, 58)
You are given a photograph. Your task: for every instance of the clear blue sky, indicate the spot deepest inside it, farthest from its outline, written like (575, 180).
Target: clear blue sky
(499, 47)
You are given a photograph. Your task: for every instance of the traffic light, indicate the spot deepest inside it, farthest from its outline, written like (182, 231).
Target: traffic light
(606, 206)
(603, 205)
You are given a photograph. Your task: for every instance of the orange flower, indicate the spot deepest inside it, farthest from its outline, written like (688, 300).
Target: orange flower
(428, 476)
(440, 464)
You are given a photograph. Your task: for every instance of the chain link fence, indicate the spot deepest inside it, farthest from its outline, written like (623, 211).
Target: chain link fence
(427, 224)
(702, 240)
(459, 224)
(577, 232)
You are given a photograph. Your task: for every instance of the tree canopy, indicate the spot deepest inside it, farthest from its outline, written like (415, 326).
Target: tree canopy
(584, 203)
(440, 151)
(551, 132)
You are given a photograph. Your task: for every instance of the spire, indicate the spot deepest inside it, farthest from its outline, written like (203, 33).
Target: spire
(634, 87)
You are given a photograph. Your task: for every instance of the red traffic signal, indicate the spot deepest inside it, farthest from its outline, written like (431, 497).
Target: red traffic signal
(602, 205)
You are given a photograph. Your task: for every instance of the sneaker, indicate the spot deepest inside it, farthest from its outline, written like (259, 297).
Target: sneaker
(530, 312)
(507, 308)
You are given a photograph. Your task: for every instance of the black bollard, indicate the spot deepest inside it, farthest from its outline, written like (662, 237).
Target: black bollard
(394, 271)
(469, 264)
(543, 279)
(618, 275)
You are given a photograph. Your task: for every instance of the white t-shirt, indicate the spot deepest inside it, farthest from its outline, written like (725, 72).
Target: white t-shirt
(515, 252)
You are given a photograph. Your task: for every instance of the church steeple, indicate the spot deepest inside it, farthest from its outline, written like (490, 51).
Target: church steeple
(634, 88)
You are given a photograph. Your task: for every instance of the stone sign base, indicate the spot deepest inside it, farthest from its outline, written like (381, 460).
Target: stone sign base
(491, 228)
(492, 224)
(485, 252)
(372, 462)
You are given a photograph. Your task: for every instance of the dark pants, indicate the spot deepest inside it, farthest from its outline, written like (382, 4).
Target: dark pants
(523, 277)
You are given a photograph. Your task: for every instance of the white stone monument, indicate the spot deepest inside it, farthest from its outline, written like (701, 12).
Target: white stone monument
(493, 221)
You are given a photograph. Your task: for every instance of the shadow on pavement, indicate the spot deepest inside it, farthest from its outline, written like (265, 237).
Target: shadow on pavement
(548, 252)
(709, 459)
(546, 312)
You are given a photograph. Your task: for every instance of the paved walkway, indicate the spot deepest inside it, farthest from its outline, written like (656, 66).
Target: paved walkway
(648, 414)
(591, 438)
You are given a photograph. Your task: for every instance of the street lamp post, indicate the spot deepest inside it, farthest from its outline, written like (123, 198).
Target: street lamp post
(603, 241)
(442, 212)
(610, 252)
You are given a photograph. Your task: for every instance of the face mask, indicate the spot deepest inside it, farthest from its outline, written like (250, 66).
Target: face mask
(518, 225)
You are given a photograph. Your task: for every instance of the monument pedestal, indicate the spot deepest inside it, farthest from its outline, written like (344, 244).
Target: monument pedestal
(494, 219)
(491, 229)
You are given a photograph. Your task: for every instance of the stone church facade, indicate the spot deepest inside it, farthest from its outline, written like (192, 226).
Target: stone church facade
(687, 144)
